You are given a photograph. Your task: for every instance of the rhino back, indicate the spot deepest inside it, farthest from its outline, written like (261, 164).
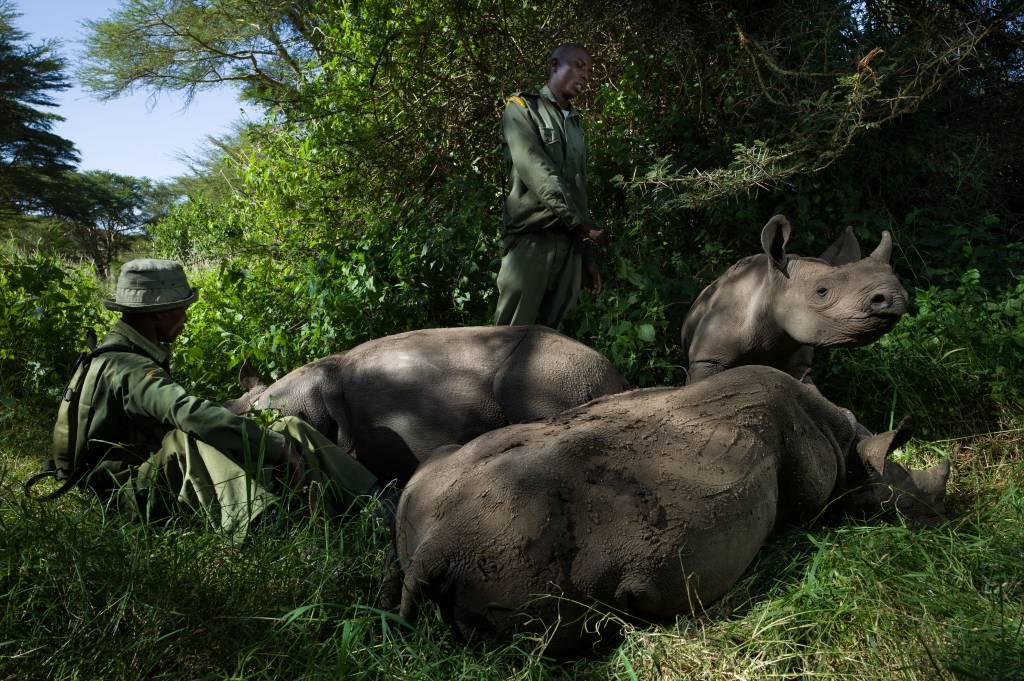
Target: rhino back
(419, 390)
(730, 314)
(411, 393)
(393, 400)
(613, 502)
(547, 373)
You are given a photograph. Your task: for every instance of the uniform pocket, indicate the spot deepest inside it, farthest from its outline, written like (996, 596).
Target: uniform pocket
(549, 135)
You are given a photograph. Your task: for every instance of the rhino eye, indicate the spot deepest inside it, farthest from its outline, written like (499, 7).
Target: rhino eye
(822, 291)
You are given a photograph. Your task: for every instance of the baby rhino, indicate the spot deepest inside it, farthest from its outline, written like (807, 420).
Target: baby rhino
(774, 308)
(649, 504)
(391, 401)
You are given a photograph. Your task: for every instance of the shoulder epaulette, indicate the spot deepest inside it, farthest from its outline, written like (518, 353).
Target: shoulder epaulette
(523, 99)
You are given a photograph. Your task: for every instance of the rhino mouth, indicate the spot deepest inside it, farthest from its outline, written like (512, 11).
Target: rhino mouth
(866, 329)
(886, 320)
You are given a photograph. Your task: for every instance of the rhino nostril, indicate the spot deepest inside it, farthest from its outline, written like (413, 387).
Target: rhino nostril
(880, 300)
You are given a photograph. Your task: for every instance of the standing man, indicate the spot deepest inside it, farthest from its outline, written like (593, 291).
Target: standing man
(548, 232)
(133, 435)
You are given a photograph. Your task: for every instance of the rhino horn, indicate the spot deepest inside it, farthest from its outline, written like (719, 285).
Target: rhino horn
(883, 251)
(248, 377)
(774, 237)
(874, 451)
(844, 250)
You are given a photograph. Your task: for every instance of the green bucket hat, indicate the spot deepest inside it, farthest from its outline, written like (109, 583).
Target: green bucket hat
(151, 286)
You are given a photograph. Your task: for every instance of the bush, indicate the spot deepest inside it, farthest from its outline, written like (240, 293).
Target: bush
(46, 307)
(955, 365)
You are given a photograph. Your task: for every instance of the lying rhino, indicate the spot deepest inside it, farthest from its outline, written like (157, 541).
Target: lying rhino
(774, 308)
(649, 504)
(393, 400)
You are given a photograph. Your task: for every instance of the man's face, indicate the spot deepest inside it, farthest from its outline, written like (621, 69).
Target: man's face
(570, 76)
(171, 324)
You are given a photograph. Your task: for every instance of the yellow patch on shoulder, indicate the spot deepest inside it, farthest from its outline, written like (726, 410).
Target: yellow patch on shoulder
(158, 373)
(517, 100)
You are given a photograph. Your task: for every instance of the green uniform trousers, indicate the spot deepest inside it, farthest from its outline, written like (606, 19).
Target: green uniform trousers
(539, 279)
(187, 474)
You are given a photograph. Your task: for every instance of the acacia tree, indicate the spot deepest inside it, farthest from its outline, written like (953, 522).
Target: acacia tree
(103, 211)
(33, 159)
(267, 47)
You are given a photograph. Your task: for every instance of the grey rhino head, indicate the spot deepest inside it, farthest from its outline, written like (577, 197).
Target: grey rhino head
(877, 485)
(838, 299)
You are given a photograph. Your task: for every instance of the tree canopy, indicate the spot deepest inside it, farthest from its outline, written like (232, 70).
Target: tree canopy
(101, 210)
(369, 200)
(265, 46)
(32, 156)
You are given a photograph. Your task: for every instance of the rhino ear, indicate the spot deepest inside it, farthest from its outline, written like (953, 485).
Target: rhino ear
(843, 250)
(774, 237)
(874, 451)
(883, 251)
(248, 377)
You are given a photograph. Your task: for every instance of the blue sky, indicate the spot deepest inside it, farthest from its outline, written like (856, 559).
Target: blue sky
(130, 135)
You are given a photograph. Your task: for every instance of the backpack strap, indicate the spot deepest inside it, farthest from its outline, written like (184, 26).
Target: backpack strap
(50, 471)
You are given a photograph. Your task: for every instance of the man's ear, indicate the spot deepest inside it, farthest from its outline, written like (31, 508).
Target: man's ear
(774, 237)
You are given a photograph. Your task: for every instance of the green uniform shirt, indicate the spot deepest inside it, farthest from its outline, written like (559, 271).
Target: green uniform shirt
(548, 161)
(129, 402)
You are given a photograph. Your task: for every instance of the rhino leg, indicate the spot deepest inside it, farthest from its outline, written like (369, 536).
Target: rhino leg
(390, 598)
(798, 365)
(701, 369)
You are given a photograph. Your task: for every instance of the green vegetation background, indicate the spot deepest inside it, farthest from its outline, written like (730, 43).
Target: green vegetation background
(369, 203)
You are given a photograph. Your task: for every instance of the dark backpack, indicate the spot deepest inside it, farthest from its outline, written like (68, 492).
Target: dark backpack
(71, 460)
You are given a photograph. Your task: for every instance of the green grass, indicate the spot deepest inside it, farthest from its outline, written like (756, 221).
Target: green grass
(86, 595)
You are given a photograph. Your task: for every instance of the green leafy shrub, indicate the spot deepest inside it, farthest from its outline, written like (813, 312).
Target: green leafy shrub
(956, 364)
(46, 307)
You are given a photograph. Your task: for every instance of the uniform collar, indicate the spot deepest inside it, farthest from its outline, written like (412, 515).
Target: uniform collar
(157, 351)
(545, 92)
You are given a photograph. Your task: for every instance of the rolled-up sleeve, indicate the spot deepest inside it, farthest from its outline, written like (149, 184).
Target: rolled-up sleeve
(148, 392)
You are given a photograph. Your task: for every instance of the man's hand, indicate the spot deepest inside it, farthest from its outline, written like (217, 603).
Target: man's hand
(594, 233)
(592, 278)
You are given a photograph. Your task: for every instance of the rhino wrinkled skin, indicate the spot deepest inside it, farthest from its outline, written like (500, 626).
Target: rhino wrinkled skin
(649, 504)
(393, 400)
(774, 308)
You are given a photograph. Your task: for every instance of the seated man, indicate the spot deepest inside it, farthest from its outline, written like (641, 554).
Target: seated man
(146, 446)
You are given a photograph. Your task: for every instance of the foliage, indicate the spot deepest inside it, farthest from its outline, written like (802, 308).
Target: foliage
(101, 211)
(43, 200)
(46, 308)
(369, 204)
(32, 157)
(214, 174)
(171, 45)
(285, 297)
(955, 365)
(860, 67)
